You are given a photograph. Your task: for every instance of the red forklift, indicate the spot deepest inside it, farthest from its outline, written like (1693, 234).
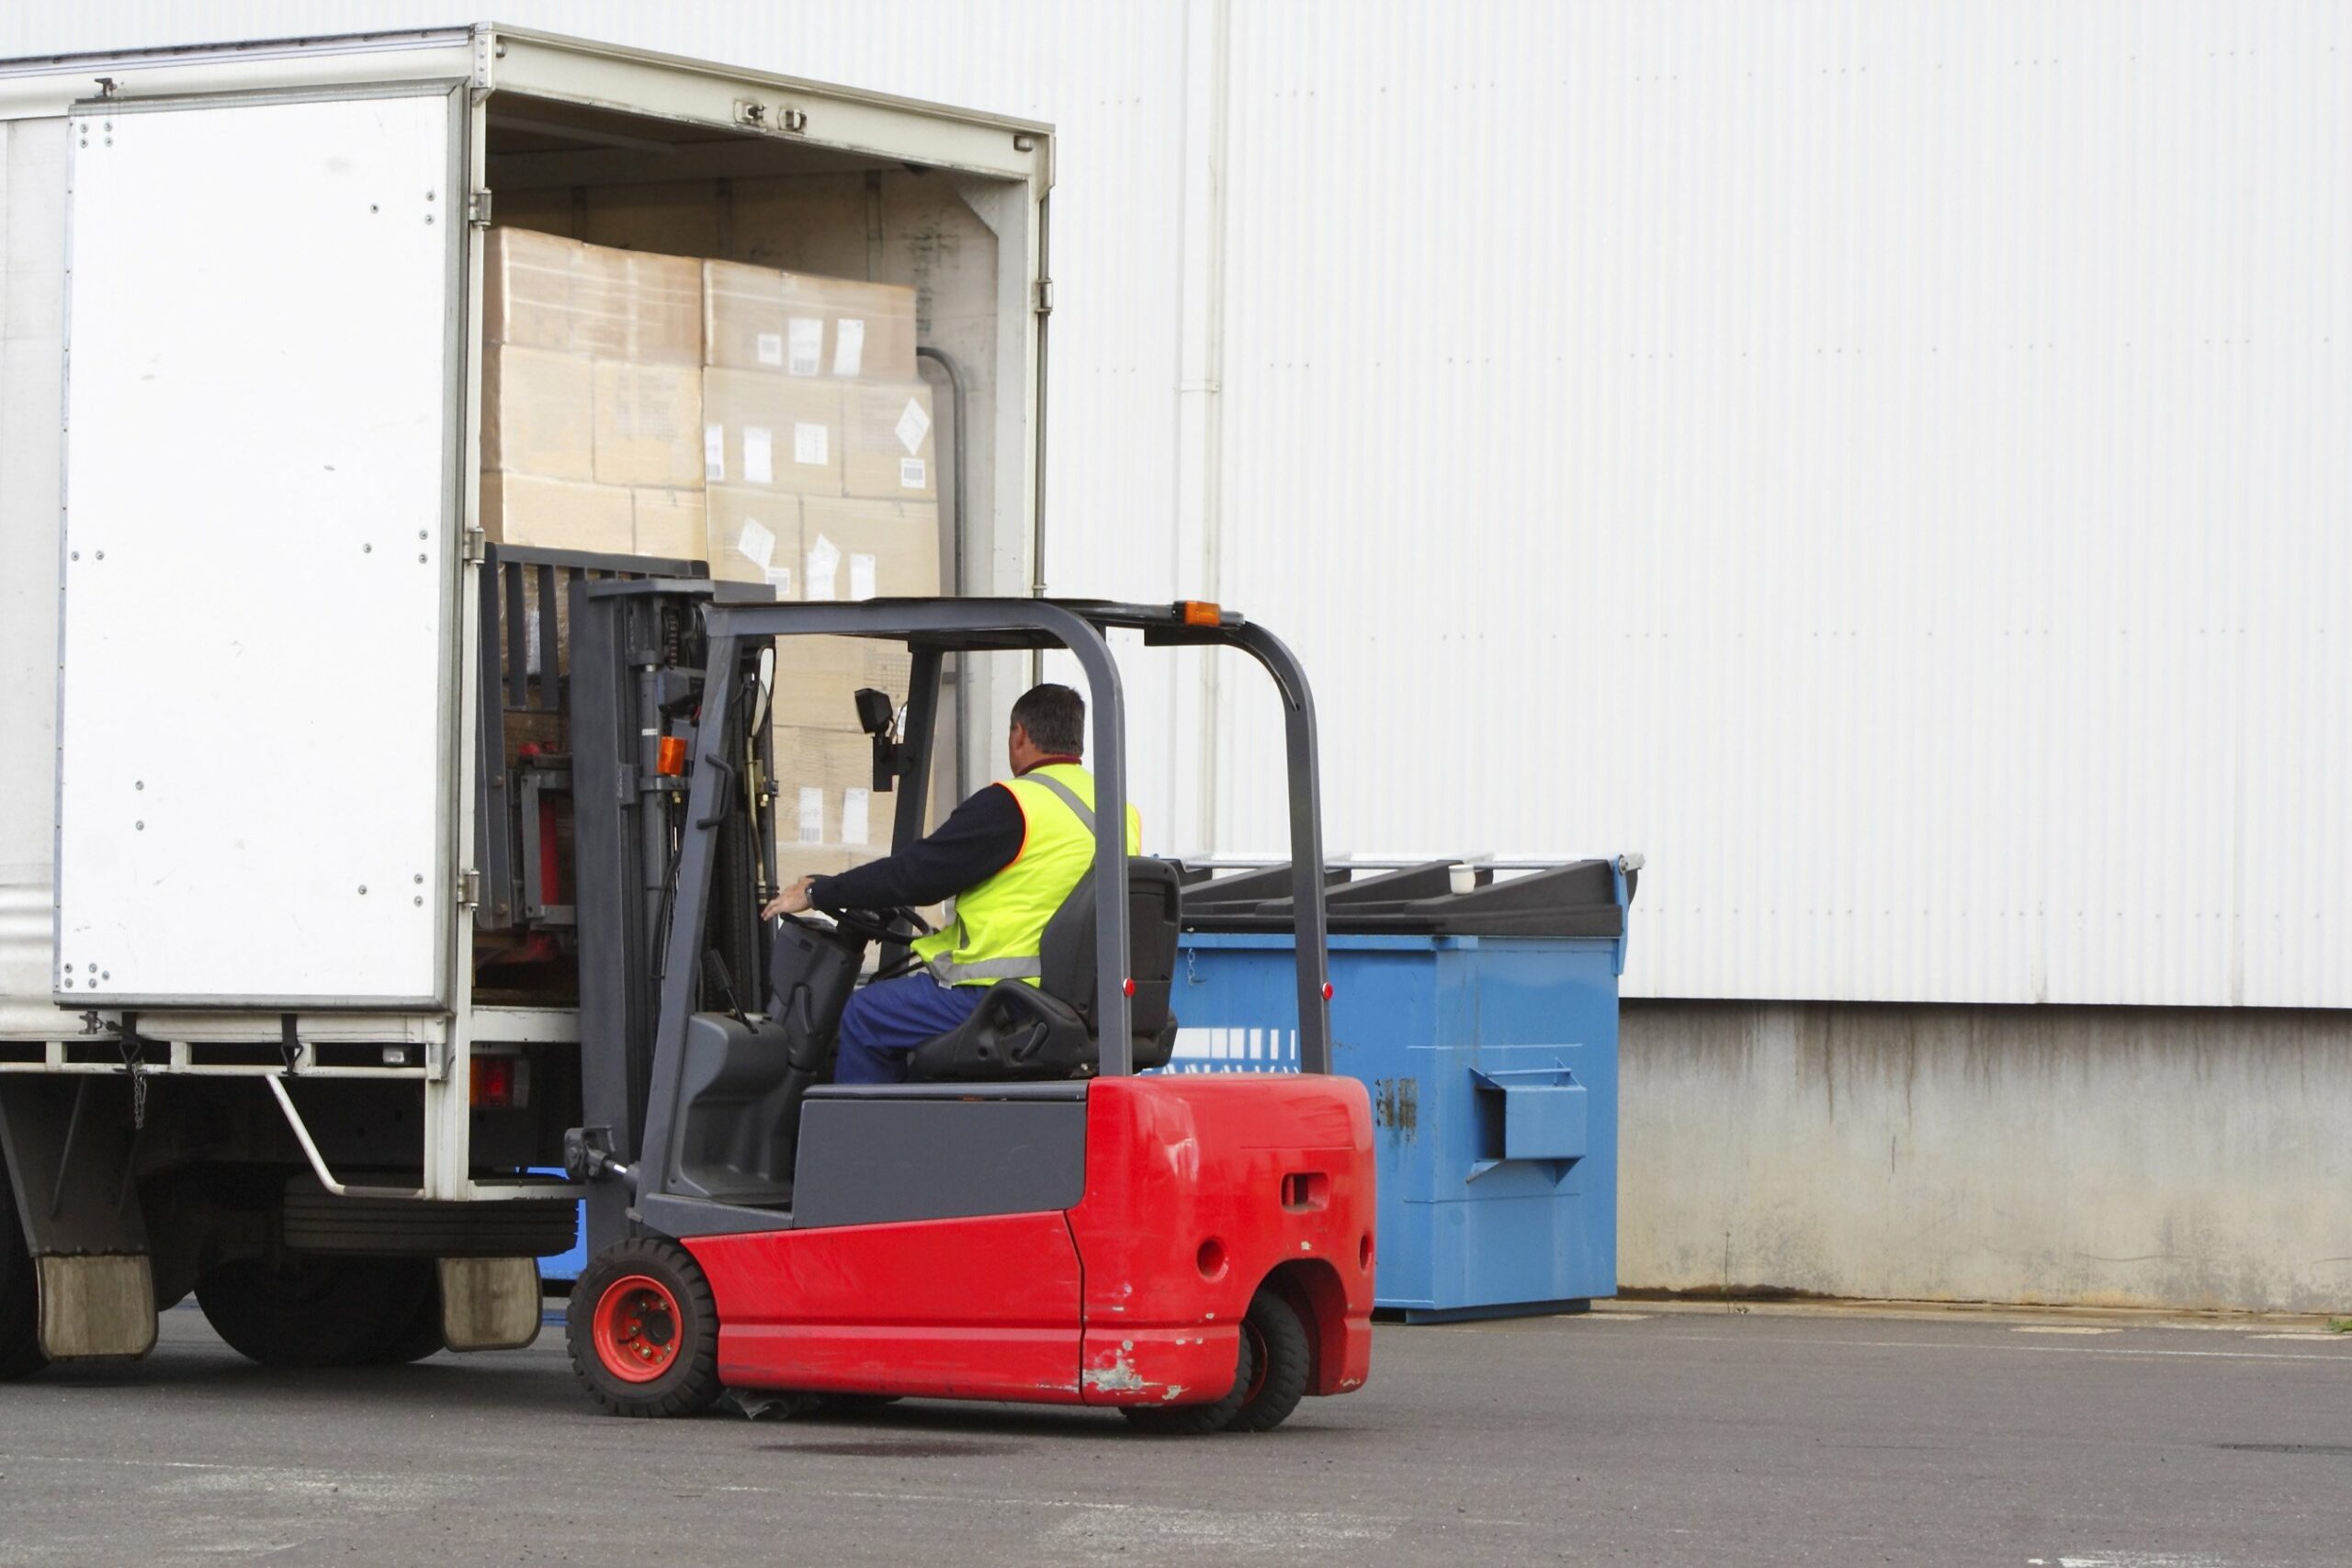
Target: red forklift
(1037, 1216)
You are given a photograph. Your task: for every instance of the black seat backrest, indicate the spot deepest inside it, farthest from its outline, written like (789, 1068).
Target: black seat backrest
(1066, 955)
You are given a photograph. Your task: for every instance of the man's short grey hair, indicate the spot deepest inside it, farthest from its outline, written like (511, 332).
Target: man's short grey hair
(1055, 718)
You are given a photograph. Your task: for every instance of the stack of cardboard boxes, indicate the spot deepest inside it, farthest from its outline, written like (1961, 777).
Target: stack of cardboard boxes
(823, 484)
(769, 422)
(592, 413)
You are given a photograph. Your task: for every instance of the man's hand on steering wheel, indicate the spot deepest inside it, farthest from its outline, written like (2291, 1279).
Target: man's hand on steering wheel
(793, 900)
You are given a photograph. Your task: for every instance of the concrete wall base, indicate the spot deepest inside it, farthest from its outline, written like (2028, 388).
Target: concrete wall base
(2115, 1157)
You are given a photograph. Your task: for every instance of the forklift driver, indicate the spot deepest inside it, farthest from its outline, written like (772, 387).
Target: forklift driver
(1008, 856)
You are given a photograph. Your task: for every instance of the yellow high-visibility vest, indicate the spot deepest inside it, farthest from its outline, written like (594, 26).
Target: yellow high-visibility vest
(1000, 926)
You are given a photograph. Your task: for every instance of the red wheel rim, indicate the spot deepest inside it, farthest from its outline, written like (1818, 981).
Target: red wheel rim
(1256, 1361)
(637, 1328)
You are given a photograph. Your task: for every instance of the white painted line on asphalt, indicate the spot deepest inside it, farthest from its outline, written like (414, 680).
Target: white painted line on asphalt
(2056, 1328)
(2340, 1360)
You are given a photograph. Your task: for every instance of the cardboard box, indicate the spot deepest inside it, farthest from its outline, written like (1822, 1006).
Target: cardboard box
(539, 414)
(546, 291)
(758, 318)
(670, 524)
(528, 509)
(763, 431)
(888, 453)
(825, 791)
(753, 535)
(867, 549)
(648, 424)
(816, 679)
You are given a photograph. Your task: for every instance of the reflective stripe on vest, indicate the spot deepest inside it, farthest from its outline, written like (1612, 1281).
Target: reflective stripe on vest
(999, 925)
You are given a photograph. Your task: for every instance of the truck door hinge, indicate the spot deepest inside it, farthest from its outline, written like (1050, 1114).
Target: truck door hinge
(478, 210)
(1044, 297)
(472, 543)
(469, 889)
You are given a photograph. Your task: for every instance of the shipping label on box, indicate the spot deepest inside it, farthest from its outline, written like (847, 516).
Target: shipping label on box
(649, 425)
(891, 453)
(525, 509)
(772, 431)
(538, 412)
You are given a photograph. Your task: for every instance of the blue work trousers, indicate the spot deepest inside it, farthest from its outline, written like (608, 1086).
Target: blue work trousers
(883, 1022)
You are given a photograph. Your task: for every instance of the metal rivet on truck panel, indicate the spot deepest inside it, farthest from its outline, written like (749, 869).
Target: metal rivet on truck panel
(418, 879)
(363, 889)
(101, 555)
(142, 827)
(138, 784)
(419, 560)
(418, 900)
(367, 549)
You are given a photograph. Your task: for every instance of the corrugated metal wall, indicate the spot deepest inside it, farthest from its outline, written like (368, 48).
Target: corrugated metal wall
(1888, 463)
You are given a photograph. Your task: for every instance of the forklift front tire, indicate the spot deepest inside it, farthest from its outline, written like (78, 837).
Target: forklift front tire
(643, 1329)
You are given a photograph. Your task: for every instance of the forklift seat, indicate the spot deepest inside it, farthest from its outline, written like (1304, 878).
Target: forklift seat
(1047, 1031)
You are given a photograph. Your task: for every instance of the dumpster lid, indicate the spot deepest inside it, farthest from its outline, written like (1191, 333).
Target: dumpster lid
(1574, 899)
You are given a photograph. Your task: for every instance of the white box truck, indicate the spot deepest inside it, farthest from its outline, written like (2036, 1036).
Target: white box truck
(259, 803)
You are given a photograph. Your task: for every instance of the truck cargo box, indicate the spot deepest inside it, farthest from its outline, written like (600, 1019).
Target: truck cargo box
(253, 314)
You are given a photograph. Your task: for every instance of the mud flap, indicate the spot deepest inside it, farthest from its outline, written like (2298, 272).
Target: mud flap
(69, 1144)
(96, 1307)
(490, 1303)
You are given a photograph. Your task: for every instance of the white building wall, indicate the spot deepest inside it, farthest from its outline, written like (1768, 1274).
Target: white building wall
(1887, 463)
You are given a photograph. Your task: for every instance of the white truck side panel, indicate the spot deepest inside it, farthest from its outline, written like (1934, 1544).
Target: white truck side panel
(259, 553)
(32, 346)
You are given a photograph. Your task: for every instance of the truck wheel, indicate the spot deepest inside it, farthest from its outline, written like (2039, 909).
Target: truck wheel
(643, 1329)
(1198, 1420)
(19, 1297)
(423, 1336)
(1278, 1341)
(308, 1311)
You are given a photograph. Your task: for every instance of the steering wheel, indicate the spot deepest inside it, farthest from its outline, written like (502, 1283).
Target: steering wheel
(892, 925)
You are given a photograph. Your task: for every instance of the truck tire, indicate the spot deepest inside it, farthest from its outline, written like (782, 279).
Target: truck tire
(1198, 1420)
(308, 1311)
(19, 1296)
(1278, 1341)
(423, 1337)
(643, 1329)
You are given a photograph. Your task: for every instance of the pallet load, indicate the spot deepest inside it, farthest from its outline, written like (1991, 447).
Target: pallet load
(592, 406)
(821, 471)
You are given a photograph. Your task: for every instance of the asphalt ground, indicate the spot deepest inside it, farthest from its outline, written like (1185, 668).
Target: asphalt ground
(1633, 1435)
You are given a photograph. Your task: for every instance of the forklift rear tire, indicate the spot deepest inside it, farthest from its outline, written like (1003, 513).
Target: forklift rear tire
(1198, 1420)
(309, 1311)
(19, 1296)
(1278, 1340)
(643, 1329)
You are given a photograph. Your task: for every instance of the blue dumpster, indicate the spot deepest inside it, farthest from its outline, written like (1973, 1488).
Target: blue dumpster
(1484, 1023)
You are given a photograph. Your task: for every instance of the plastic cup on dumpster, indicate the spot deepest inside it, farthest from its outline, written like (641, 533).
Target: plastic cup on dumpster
(1459, 878)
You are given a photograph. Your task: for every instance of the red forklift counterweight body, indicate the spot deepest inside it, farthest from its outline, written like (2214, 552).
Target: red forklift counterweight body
(1198, 1191)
